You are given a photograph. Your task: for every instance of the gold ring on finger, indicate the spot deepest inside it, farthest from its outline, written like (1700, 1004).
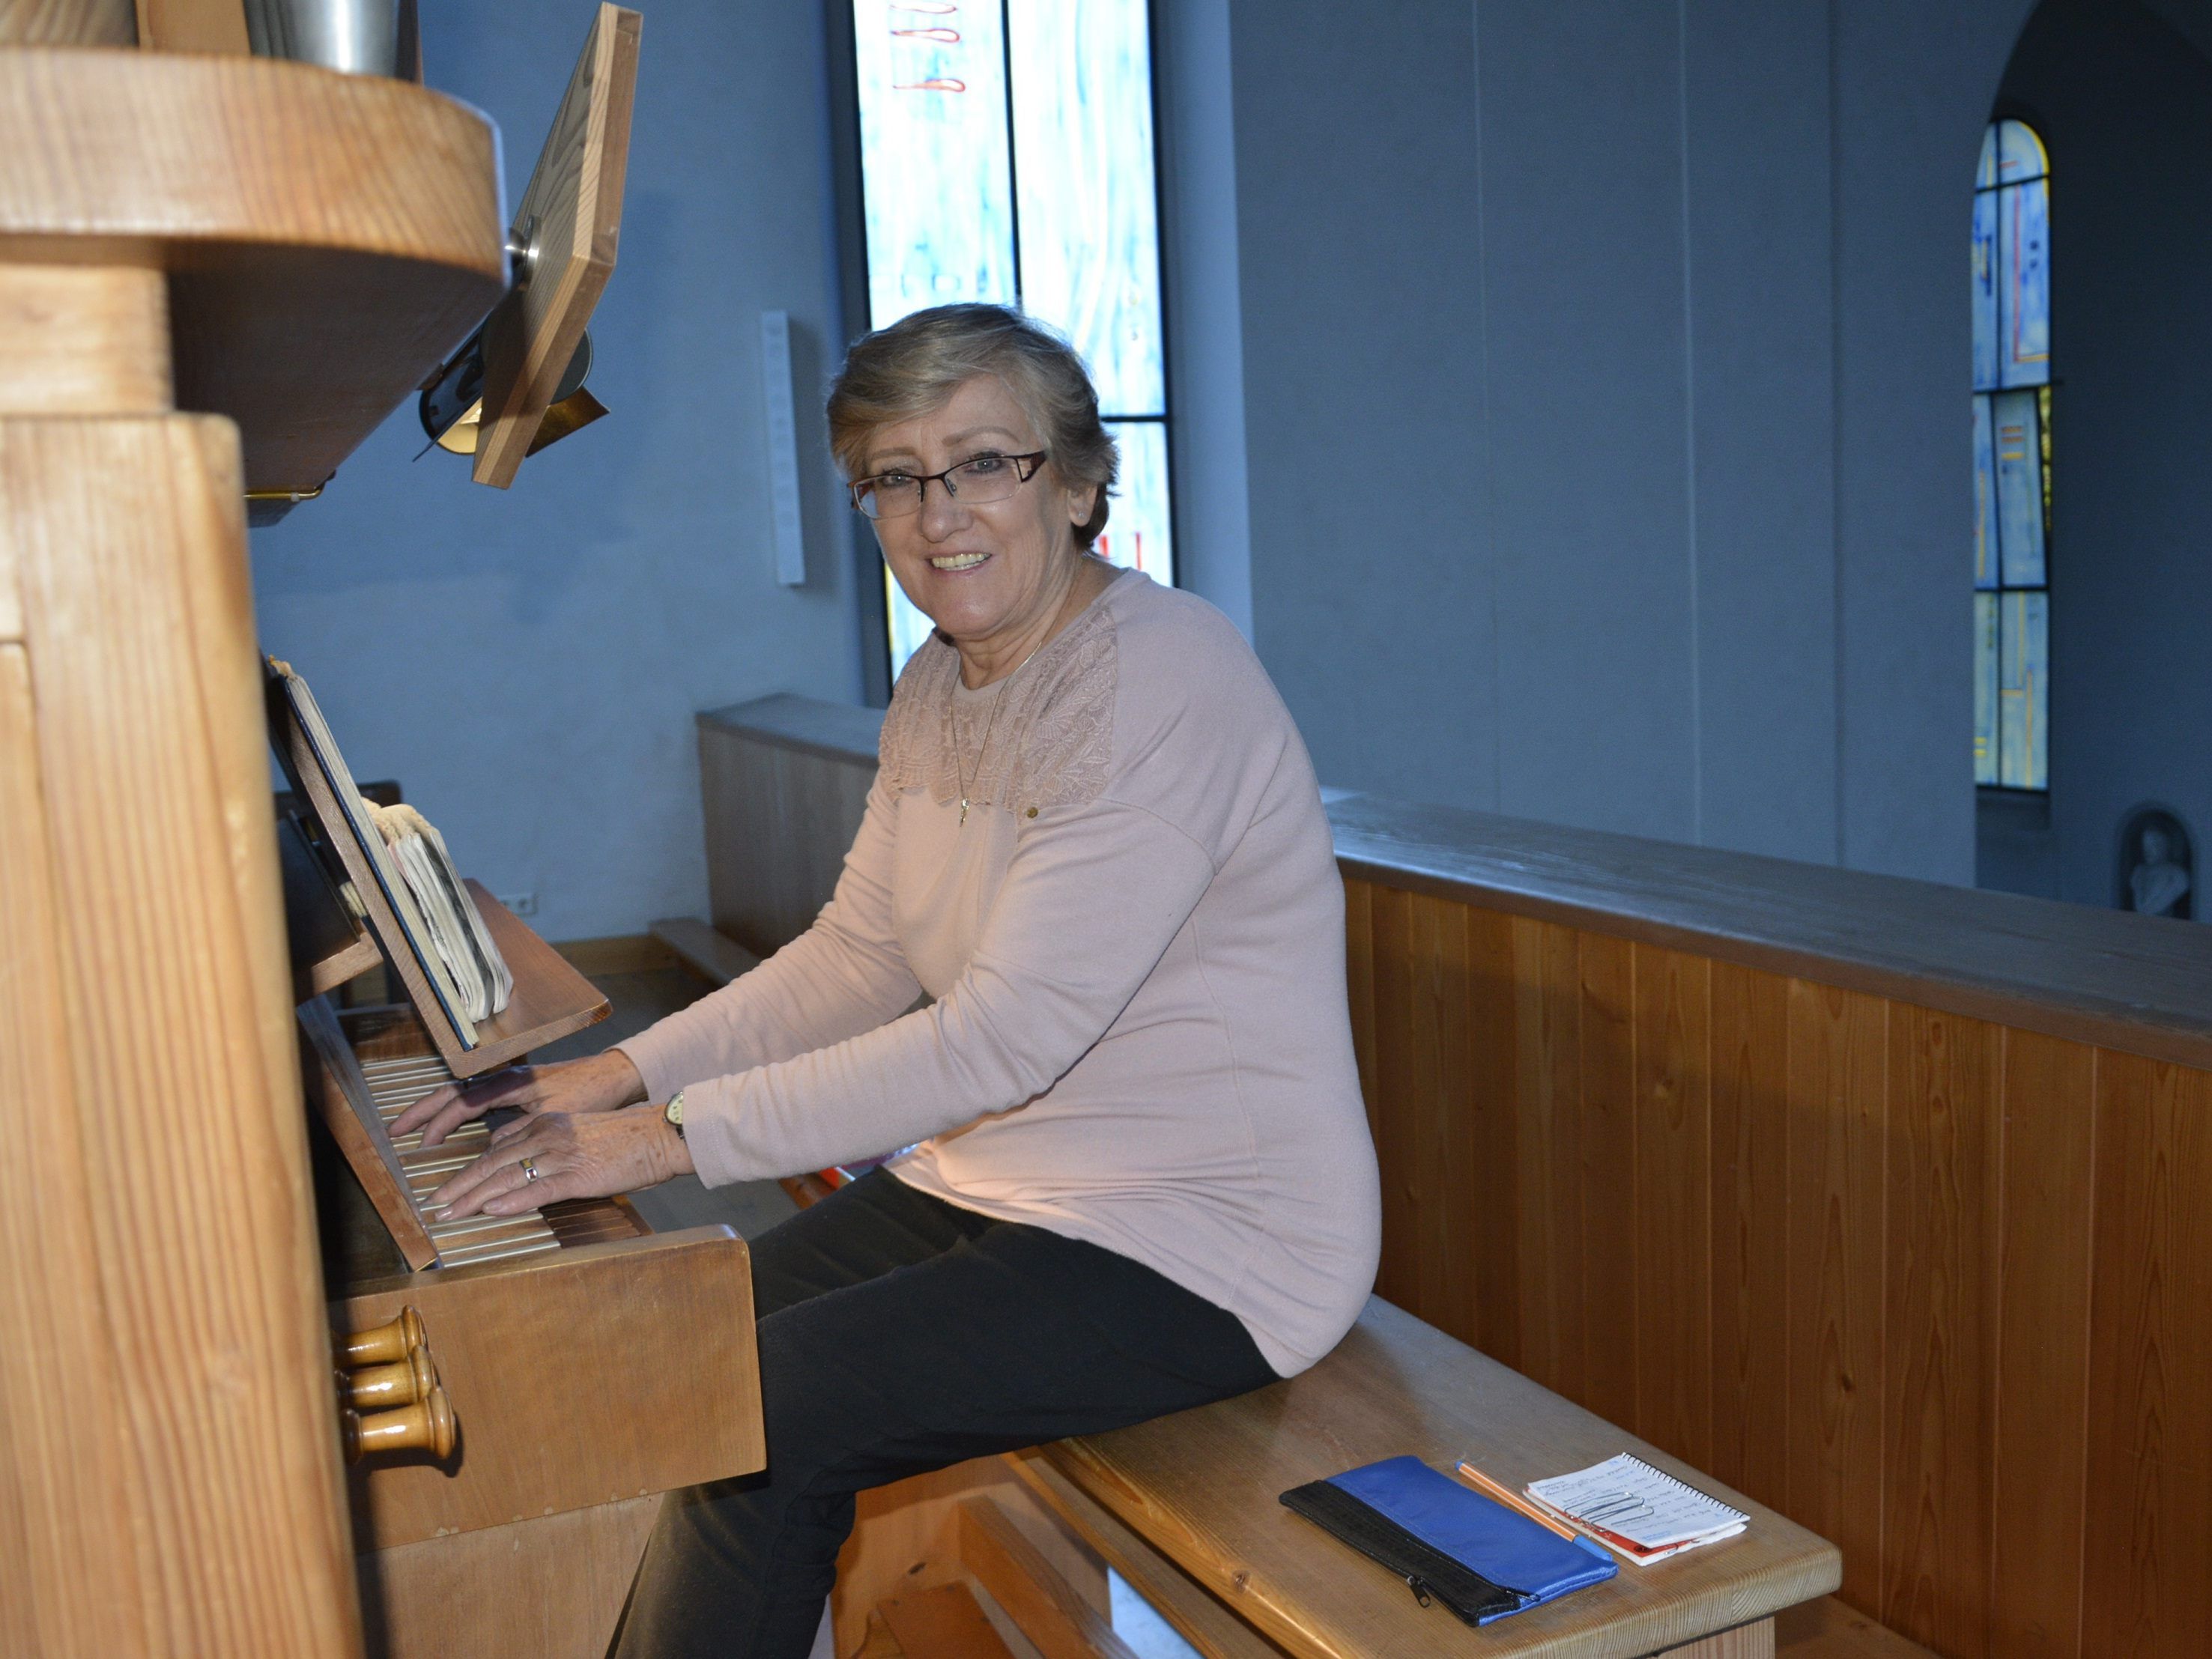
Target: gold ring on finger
(530, 1170)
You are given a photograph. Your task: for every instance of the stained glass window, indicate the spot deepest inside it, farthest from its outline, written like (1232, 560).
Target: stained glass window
(2012, 459)
(1006, 155)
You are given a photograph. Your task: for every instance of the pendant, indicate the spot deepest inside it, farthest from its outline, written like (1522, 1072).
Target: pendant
(964, 809)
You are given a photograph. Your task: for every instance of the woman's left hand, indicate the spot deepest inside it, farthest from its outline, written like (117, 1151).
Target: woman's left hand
(574, 1154)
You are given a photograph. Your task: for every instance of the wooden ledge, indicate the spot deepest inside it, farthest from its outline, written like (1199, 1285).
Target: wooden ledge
(327, 238)
(714, 957)
(115, 152)
(2143, 984)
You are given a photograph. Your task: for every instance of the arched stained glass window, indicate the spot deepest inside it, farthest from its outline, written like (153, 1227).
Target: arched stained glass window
(1007, 155)
(2012, 459)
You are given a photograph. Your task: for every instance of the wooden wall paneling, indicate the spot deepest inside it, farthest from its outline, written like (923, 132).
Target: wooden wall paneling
(779, 821)
(2049, 1160)
(1399, 1141)
(1451, 1186)
(1673, 1262)
(129, 544)
(71, 1567)
(549, 1587)
(1749, 1199)
(1359, 989)
(2147, 1587)
(1547, 1151)
(1493, 1139)
(1837, 1111)
(1609, 1176)
(1939, 1347)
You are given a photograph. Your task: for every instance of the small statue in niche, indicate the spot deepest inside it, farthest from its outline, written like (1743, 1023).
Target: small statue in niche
(2156, 865)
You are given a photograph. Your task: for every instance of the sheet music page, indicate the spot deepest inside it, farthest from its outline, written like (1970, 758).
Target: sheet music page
(337, 775)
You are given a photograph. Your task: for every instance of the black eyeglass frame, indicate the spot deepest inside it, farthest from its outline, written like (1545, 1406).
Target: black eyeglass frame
(1025, 468)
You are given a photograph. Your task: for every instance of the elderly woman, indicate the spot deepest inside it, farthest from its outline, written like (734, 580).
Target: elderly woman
(1138, 1174)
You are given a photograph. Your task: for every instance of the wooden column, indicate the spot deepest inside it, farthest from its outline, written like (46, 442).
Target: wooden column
(169, 1477)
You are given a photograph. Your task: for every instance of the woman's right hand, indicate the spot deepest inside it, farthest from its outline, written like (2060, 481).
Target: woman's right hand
(601, 1084)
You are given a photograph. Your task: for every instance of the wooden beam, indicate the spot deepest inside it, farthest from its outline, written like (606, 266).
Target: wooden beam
(1197, 1617)
(944, 1622)
(1036, 1597)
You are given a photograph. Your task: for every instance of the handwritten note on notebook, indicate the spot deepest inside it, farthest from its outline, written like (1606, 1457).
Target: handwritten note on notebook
(1636, 1510)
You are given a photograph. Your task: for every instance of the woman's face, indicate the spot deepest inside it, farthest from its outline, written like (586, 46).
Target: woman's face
(988, 573)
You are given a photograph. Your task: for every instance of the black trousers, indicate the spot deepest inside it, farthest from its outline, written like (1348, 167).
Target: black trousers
(899, 1333)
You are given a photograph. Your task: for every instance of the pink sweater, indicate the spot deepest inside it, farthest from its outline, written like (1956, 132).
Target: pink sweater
(1135, 947)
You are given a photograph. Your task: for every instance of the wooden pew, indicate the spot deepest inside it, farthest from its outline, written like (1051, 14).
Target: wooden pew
(1896, 1196)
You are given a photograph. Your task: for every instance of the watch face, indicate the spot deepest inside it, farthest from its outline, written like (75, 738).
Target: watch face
(674, 1112)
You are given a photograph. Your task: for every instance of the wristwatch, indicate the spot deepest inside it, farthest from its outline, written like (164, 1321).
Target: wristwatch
(674, 1113)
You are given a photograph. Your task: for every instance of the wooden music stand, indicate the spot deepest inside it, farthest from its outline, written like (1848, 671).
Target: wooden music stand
(571, 219)
(550, 998)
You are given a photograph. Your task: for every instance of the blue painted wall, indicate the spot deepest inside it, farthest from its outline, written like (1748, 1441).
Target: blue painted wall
(1193, 92)
(1571, 403)
(1602, 360)
(2125, 101)
(528, 662)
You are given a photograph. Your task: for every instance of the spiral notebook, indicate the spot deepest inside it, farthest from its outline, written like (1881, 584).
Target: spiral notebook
(1636, 1510)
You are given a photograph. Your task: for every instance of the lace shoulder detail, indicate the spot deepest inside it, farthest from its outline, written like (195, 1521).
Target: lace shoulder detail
(1050, 744)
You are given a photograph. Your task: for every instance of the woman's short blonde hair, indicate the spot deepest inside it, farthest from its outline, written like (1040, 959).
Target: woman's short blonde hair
(918, 363)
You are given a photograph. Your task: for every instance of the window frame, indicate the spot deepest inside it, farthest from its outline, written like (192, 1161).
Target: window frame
(2045, 398)
(874, 609)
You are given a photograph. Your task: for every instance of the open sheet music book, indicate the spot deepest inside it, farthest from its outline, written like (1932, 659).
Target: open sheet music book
(444, 931)
(464, 943)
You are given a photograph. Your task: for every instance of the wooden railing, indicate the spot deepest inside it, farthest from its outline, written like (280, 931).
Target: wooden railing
(1889, 1204)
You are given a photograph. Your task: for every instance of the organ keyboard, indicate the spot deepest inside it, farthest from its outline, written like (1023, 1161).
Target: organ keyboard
(367, 1066)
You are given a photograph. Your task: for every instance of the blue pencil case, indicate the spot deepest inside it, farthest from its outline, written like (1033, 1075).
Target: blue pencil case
(1450, 1543)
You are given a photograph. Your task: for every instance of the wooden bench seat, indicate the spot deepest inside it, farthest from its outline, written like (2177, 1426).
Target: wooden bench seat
(1185, 1508)
(1200, 1489)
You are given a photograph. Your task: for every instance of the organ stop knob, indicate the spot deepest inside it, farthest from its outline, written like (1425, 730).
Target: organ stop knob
(389, 1385)
(426, 1425)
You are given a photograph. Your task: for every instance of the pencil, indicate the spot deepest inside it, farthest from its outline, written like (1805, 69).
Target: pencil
(1513, 1500)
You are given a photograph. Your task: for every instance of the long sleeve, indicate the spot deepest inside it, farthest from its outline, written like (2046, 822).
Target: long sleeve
(844, 974)
(1092, 897)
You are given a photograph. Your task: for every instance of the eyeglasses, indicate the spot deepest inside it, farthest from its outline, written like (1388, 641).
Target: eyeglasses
(986, 478)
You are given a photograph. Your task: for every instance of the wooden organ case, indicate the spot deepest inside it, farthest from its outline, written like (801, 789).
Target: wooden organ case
(218, 274)
(515, 1391)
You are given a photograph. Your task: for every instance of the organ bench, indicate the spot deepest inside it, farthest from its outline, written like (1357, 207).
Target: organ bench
(1185, 1508)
